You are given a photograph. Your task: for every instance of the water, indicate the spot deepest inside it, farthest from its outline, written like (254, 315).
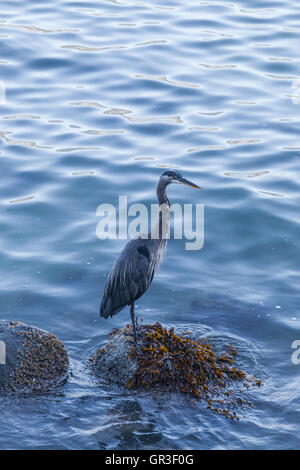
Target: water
(99, 97)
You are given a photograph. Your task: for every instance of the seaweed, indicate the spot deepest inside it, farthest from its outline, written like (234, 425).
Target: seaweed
(191, 367)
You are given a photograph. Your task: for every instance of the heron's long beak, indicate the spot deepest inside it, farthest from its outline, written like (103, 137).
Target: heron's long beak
(188, 183)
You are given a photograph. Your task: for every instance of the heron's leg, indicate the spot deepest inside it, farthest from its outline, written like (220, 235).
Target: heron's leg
(133, 323)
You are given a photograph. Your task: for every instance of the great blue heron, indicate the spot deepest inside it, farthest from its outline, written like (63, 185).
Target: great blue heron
(134, 269)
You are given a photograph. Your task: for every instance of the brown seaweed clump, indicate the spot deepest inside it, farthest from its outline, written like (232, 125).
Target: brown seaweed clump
(168, 361)
(192, 367)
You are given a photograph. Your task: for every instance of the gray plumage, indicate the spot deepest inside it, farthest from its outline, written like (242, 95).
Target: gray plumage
(133, 271)
(131, 274)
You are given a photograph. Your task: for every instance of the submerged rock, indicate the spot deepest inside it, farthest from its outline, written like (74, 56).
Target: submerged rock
(167, 361)
(31, 359)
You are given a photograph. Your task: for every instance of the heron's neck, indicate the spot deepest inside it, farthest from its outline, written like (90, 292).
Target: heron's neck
(161, 192)
(162, 227)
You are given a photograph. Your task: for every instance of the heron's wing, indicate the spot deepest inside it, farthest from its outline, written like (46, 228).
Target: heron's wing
(130, 276)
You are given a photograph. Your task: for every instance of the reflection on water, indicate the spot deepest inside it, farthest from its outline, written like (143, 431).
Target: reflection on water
(96, 99)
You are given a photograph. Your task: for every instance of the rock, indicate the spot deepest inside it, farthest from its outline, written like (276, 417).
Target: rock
(114, 361)
(167, 361)
(31, 359)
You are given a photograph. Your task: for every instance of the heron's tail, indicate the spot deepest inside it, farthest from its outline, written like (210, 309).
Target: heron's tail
(107, 307)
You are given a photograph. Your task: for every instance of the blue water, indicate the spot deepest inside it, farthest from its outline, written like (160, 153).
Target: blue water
(98, 97)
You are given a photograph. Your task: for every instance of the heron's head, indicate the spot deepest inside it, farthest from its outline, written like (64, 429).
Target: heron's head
(174, 176)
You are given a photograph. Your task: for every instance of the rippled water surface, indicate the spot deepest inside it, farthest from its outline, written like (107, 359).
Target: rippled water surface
(96, 98)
